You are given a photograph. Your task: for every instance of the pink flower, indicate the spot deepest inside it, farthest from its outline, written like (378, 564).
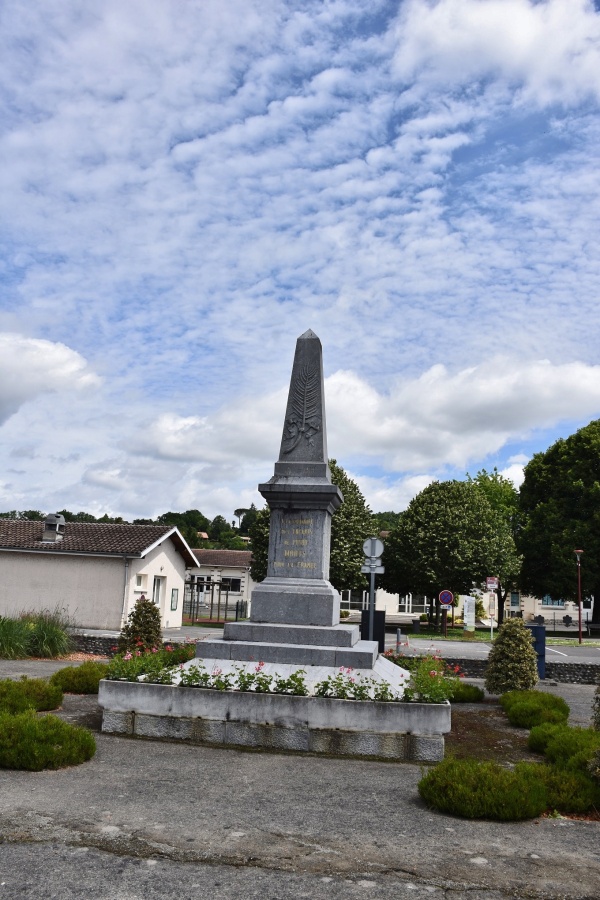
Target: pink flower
(259, 667)
(127, 655)
(433, 673)
(216, 671)
(154, 650)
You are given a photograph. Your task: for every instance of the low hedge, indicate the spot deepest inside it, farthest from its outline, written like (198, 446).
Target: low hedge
(526, 709)
(28, 693)
(466, 693)
(35, 742)
(485, 790)
(83, 679)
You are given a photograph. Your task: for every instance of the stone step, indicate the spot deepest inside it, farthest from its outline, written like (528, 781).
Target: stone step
(361, 656)
(311, 635)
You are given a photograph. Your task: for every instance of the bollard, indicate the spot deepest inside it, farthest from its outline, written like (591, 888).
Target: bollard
(398, 639)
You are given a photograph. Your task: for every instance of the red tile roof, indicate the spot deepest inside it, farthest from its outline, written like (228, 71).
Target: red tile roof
(224, 558)
(87, 537)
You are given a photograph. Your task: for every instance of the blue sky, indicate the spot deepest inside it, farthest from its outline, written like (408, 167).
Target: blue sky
(187, 187)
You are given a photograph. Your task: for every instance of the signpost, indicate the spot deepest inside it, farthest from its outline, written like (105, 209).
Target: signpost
(372, 548)
(446, 601)
(469, 613)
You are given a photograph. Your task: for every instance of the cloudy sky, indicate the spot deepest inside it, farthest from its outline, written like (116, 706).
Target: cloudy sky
(188, 185)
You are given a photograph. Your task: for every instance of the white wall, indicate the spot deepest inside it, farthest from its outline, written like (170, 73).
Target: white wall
(89, 588)
(166, 563)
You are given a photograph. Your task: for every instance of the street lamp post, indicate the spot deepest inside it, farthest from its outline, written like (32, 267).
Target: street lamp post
(578, 555)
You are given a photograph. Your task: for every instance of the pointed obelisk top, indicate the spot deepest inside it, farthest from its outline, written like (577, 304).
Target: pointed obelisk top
(303, 452)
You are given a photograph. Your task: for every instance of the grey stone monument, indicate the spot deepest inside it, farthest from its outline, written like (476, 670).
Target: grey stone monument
(295, 611)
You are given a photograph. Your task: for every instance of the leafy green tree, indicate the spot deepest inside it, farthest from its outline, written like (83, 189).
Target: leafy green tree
(560, 505)
(350, 525)
(218, 526)
(33, 515)
(385, 521)
(189, 524)
(77, 517)
(503, 497)
(450, 538)
(259, 540)
(248, 519)
(239, 513)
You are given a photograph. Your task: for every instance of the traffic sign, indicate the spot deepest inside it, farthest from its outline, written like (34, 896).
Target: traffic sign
(446, 598)
(373, 547)
(375, 570)
(491, 584)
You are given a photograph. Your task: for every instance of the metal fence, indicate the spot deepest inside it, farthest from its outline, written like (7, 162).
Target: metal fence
(211, 601)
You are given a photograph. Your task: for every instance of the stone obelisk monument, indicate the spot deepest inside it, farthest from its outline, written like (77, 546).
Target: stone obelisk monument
(302, 499)
(295, 611)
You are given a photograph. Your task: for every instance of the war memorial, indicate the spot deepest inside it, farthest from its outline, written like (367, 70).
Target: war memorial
(294, 627)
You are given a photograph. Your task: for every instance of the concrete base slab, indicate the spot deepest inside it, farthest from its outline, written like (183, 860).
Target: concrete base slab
(312, 635)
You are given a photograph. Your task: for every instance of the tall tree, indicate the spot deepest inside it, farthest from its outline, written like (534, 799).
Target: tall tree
(350, 525)
(560, 504)
(450, 538)
(503, 497)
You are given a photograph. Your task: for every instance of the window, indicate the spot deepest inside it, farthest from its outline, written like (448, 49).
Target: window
(515, 599)
(548, 601)
(174, 598)
(233, 585)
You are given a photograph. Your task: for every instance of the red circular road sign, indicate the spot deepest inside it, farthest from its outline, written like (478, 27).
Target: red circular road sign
(446, 598)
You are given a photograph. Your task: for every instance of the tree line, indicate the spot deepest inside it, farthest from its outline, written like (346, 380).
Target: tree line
(454, 534)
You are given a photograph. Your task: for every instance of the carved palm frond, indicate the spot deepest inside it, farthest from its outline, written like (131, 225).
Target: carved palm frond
(305, 395)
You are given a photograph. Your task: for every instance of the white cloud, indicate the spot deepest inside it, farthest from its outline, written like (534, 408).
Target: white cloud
(30, 367)
(551, 49)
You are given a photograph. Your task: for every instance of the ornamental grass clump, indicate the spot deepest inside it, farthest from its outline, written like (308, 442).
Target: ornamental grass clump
(485, 790)
(14, 636)
(83, 679)
(512, 663)
(35, 742)
(28, 694)
(47, 633)
(526, 709)
(143, 629)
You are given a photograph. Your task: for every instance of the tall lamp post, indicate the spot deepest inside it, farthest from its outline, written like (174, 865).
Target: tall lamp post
(578, 555)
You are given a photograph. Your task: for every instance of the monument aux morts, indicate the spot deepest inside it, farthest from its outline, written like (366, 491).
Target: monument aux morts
(295, 611)
(294, 625)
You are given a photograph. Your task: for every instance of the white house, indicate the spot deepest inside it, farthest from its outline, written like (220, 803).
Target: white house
(219, 577)
(94, 571)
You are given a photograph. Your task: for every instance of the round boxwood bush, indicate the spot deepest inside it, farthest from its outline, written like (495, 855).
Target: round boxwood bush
(525, 709)
(572, 748)
(83, 679)
(466, 693)
(35, 742)
(485, 790)
(512, 663)
(570, 791)
(28, 693)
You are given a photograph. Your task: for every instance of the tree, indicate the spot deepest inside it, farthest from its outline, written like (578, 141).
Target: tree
(189, 524)
(238, 513)
(31, 514)
(248, 519)
(450, 538)
(560, 505)
(385, 521)
(350, 525)
(512, 662)
(504, 500)
(259, 539)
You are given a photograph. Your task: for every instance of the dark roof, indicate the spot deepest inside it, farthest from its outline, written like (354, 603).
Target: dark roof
(88, 537)
(227, 558)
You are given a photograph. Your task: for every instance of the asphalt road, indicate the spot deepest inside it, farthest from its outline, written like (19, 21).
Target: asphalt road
(480, 650)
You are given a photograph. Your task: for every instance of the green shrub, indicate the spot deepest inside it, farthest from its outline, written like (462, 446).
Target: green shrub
(512, 663)
(83, 679)
(47, 633)
(541, 734)
(143, 629)
(530, 708)
(594, 767)
(28, 693)
(35, 742)
(13, 638)
(596, 709)
(570, 791)
(572, 748)
(485, 790)
(466, 693)
(132, 664)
